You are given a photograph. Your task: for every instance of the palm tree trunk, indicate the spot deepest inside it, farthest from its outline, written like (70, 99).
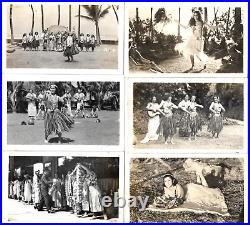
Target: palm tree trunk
(59, 15)
(228, 18)
(42, 17)
(116, 15)
(137, 27)
(33, 19)
(179, 21)
(11, 25)
(151, 24)
(79, 20)
(69, 17)
(98, 36)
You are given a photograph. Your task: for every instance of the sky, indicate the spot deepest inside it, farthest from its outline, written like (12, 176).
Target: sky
(172, 28)
(22, 19)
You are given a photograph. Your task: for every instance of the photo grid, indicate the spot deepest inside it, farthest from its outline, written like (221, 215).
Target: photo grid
(125, 112)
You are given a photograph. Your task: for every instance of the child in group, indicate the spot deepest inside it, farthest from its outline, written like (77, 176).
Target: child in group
(51, 41)
(92, 42)
(87, 43)
(94, 112)
(81, 41)
(24, 41)
(45, 41)
(36, 42)
(30, 41)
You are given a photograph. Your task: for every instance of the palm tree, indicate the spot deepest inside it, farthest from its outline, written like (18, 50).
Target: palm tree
(69, 17)
(95, 13)
(33, 18)
(59, 15)
(79, 20)
(11, 25)
(115, 8)
(42, 17)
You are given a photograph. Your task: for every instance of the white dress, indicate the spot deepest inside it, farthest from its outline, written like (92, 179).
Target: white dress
(31, 104)
(153, 124)
(36, 188)
(195, 43)
(27, 190)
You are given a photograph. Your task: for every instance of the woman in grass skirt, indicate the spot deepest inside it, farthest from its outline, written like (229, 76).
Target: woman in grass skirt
(168, 123)
(216, 122)
(193, 122)
(24, 41)
(70, 48)
(55, 120)
(31, 99)
(183, 124)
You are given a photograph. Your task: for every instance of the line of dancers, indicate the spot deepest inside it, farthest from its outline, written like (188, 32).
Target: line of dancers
(162, 121)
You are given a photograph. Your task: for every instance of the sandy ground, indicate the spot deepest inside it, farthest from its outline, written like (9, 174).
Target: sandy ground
(85, 131)
(231, 137)
(19, 212)
(104, 57)
(181, 64)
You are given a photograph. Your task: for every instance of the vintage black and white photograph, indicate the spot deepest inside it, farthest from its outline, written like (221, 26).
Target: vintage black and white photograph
(188, 115)
(62, 36)
(174, 38)
(62, 188)
(72, 112)
(188, 189)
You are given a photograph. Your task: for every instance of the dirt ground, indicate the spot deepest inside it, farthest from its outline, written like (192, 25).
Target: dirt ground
(180, 64)
(84, 132)
(231, 137)
(143, 182)
(104, 57)
(19, 212)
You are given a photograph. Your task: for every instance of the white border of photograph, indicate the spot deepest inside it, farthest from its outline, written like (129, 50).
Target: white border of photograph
(36, 71)
(129, 133)
(73, 147)
(5, 169)
(128, 157)
(243, 5)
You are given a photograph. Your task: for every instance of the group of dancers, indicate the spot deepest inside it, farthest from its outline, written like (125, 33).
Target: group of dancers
(66, 42)
(77, 191)
(57, 120)
(163, 122)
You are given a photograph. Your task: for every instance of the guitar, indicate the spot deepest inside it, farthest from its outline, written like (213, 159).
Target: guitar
(152, 113)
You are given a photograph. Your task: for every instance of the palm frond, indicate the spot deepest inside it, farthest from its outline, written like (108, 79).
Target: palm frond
(86, 17)
(104, 12)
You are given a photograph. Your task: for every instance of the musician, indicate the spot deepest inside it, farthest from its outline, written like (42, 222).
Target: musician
(153, 121)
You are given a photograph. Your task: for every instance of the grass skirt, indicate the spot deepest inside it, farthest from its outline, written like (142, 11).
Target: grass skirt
(168, 125)
(57, 122)
(216, 124)
(189, 124)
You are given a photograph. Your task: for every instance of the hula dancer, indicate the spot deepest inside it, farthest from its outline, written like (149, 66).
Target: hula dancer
(55, 120)
(168, 123)
(67, 97)
(194, 124)
(81, 41)
(31, 99)
(79, 97)
(87, 43)
(30, 41)
(216, 122)
(36, 41)
(24, 41)
(183, 125)
(92, 42)
(69, 47)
